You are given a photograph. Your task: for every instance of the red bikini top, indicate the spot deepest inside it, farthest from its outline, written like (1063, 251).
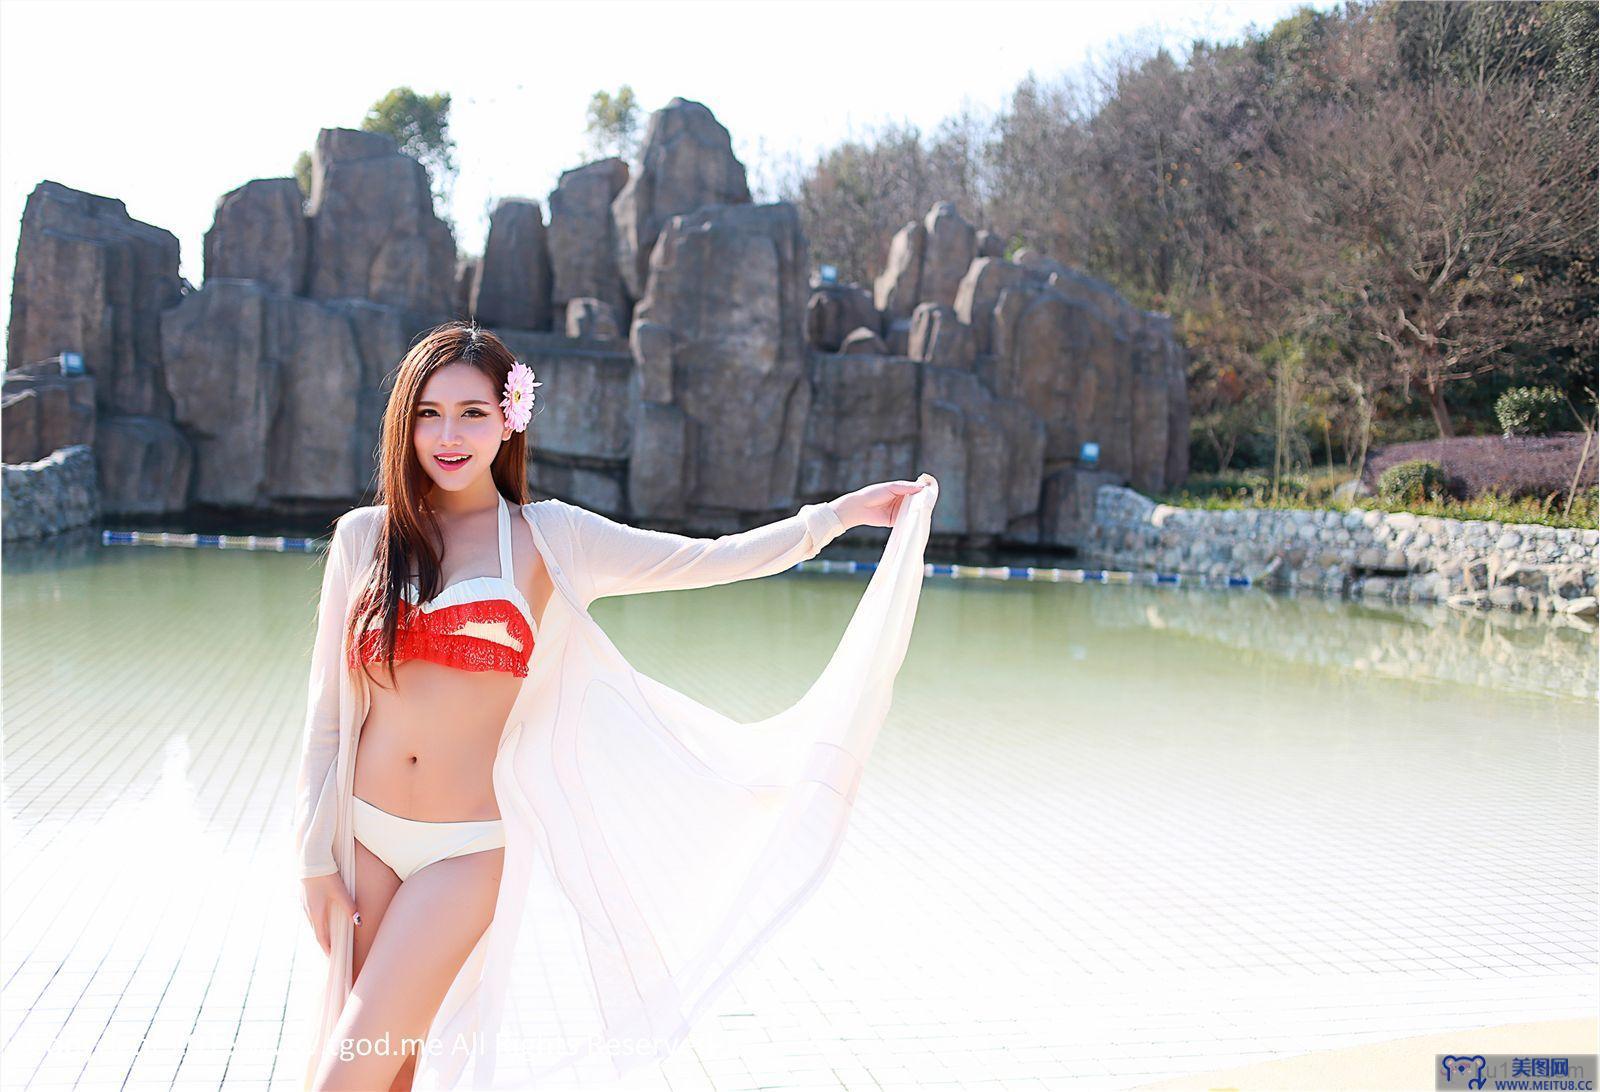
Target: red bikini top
(480, 623)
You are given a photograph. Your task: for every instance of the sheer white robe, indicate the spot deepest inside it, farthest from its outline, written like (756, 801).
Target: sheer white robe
(652, 843)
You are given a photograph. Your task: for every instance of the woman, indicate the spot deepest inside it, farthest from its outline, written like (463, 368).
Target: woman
(539, 864)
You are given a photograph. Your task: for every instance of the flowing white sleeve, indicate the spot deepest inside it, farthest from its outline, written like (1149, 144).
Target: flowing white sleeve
(315, 791)
(616, 559)
(654, 843)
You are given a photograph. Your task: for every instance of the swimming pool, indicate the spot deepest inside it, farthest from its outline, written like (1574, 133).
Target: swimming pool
(1110, 833)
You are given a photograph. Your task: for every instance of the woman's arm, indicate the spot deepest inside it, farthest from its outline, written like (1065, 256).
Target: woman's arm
(617, 559)
(315, 793)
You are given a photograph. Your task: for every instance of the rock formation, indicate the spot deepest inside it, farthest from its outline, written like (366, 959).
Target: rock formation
(949, 245)
(374, 235)
(91, 279)
(582, 239)
(589, 319)
(686, 161)
(719, 343)
(259, 233)
(835, 310)
(696, 374)
(1041, 340)
(511, 284)
(895, 290)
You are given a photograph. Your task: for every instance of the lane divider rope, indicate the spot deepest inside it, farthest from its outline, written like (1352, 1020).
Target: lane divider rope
(283, 544)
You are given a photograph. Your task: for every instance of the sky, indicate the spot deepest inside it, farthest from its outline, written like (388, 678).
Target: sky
(168, 106)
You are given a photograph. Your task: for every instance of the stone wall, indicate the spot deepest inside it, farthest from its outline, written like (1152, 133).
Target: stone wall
(1360, 552)
(51, 495)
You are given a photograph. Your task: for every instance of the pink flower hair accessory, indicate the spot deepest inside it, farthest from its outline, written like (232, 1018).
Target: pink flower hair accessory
(517, 401)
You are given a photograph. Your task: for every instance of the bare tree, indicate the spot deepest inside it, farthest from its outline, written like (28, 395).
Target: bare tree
(1435, 213)
(854, 198)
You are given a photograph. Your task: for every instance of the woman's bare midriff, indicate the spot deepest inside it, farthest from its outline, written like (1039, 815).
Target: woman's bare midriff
(426, 750)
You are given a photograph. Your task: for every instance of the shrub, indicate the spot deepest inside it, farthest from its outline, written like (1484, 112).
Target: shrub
(1528, 411)
(1251, 489)
(1414, 479)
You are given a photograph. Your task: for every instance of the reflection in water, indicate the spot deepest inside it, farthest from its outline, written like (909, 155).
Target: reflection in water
(1420, 641)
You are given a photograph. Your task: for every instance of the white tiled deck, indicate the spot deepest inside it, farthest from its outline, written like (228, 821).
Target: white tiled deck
(1111, 834)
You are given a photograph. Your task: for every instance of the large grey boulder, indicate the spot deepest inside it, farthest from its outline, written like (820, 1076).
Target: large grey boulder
(863, 342)
(461, 294)
(1067, 505)
(1080, 286)
(685, 163)
(834, 310)
(1097, 367)
(226, 389)
(374, 235)
(948, 250)
(145, 465)
(382, 336)
(582, 240)
(268, 388)
(596, 490)
(43, 411)
(1071, 364)
(511, 286)
(1040, 266)
(656, 473)
(896, 290)
(987, 450)
(719, 338)
(583, 412)
(938, 337)
(979, 293)
(863, 425)
(259, 233)
(589, 319)
(91, 279)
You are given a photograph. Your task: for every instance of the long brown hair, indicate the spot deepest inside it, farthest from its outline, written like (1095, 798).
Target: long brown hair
(405, 542)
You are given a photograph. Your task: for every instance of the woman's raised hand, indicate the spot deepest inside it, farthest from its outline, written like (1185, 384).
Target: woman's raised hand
(878, 505)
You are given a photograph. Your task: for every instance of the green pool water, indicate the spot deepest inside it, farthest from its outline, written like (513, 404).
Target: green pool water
(1080, 788)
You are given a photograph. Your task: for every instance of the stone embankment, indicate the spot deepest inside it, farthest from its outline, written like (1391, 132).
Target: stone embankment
(1361, 552)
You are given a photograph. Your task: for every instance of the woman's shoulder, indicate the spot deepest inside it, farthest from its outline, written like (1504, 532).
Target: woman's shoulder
(361, 517)
(548, 504)
(359, 523)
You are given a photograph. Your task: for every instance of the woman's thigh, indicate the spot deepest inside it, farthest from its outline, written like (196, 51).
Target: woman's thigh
(376, 884)
(429, 928)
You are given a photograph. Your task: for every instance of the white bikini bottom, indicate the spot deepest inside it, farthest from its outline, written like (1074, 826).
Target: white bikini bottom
(406, 845)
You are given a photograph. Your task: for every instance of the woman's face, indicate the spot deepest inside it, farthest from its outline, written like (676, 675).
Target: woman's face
(458, 415)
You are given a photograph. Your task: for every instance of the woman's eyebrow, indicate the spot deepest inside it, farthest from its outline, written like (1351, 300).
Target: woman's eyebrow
(468, 402)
